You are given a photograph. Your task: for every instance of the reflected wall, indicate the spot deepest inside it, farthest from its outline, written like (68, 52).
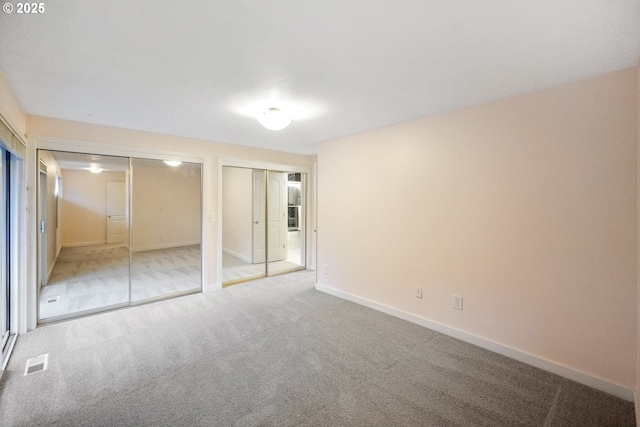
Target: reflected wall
(166, 228)
(240, 222)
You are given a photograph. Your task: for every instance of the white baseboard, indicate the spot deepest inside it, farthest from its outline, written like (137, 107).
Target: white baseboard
(237, 255)
(530, 359)
(77, 245)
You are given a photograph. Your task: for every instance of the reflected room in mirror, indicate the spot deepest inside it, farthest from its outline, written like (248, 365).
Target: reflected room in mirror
(263, 226)
(83, 237)
(115, 231)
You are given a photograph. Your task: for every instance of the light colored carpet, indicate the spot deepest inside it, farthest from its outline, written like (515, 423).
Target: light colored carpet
(276, 352)
(91, 277)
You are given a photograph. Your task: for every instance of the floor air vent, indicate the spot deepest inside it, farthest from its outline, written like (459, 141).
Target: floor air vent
(53, 299)
(37, 364)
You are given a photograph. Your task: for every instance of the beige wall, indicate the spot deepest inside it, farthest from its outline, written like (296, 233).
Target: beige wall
(84, 206)
(237, 215)
(53, 232)
(10, 108)
(166, 204)
(526, 207)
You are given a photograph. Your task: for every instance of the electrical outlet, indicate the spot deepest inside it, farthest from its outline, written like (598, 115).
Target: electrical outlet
(457, 302)
(418, 292)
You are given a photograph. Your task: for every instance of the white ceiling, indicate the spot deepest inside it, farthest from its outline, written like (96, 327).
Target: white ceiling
(204, 69)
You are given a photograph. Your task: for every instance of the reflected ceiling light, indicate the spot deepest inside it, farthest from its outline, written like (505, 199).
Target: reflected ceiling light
(173, 163)
(95, 169)
(274, 119)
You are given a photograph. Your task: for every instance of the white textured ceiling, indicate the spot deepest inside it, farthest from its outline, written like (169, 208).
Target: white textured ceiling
(204, 69)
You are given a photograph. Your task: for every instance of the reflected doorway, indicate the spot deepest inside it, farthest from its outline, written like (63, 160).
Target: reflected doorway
(271, 185)
(263, 223)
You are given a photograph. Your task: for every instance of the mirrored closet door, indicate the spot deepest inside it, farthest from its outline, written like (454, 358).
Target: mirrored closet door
(83, 233)
(242, 219)
(115, 231)
(166, 228)
(263, 223)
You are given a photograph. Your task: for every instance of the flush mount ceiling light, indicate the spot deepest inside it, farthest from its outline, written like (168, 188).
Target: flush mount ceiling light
(173, 162)
(95, 169)
(274, 119)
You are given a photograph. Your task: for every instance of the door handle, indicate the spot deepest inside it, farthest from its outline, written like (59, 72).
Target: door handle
(256, 222)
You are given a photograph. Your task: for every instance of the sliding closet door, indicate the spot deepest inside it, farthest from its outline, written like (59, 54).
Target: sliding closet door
(82, 268)
(243, 224)
(166, 229)
(263, 223)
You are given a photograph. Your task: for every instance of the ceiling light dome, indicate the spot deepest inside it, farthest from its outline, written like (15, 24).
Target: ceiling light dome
(274, 119)
(173, 163)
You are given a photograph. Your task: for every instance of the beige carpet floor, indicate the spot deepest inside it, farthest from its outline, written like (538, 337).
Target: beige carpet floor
(277, 352)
